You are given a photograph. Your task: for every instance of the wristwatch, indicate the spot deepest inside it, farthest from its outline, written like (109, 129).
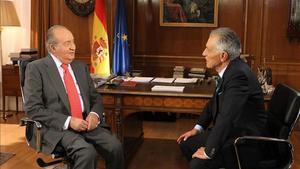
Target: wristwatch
(81, 7)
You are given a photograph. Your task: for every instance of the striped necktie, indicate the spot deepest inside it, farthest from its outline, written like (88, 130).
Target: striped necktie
(218, 83)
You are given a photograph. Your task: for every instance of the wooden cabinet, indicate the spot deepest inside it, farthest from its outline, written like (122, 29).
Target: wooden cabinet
(11, 86)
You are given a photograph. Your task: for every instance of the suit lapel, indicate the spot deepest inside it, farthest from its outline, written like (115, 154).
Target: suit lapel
(216, 97)
(56, 81)
(215, 106)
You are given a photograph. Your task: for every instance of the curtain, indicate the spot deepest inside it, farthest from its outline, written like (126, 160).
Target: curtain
(40, 23)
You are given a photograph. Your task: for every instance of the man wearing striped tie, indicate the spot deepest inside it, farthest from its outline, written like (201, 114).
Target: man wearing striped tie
(236, 109)
(60, 94)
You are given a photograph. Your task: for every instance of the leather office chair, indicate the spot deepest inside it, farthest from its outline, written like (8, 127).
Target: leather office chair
(32, 126)
(277, 151)
(36, 127)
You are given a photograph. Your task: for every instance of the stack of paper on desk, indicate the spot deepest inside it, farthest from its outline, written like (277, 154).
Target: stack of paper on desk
(163, 80)
(186, 80)
(159, 88)
(142, 79)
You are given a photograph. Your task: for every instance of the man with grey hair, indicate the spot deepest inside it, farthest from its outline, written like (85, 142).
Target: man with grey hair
(60, 94)
(236, 109)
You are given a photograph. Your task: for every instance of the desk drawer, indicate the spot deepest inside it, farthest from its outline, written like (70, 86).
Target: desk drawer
(108, 99)
(11, 81)
(168, 102)
(10, 92)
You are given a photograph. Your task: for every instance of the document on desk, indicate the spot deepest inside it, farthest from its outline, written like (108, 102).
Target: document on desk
(142, 79)
(185, 80)
(159, 88)
(163, 80)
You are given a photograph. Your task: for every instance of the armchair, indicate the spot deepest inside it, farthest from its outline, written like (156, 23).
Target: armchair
(277, 150)
(36, 127)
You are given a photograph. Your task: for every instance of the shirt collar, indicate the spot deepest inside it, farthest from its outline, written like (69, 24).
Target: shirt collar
(221, 73)
(56, 60)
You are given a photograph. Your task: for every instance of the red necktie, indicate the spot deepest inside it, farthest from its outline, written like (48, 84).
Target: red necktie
(72, 93)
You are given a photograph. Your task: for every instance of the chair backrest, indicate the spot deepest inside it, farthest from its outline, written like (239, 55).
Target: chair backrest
(22, 69)
(284, 109)
(35, 127)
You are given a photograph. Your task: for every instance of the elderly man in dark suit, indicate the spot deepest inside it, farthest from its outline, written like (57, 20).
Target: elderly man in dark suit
(59, 93)
(236, 109)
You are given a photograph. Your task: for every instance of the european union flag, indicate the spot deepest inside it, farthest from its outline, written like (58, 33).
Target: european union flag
(121, 51)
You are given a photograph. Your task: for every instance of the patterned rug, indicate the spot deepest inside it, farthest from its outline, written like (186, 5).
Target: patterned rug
(5, 157)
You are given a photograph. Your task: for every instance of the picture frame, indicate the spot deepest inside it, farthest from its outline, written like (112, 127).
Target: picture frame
(189, 13)
(294, 21)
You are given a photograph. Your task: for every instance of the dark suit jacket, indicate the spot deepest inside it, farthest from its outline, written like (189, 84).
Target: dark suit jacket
(237, 109)
(46, 100)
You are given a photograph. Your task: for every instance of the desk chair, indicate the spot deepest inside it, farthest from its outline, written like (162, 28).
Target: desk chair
(36, 127)
(32, 126)
(277, 150)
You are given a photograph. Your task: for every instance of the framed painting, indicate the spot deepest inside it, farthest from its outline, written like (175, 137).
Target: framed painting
(294, 21)
(189, 13)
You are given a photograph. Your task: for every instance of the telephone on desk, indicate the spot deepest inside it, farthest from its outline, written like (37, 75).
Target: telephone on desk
(114, 82)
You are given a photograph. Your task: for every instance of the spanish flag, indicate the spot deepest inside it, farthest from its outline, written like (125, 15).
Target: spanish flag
(100, 50)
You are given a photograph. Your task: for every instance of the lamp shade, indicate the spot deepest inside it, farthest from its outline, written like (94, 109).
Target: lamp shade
(8, 14)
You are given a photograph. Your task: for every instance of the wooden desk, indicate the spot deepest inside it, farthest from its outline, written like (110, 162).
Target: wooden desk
(122, 103)
(10, 86)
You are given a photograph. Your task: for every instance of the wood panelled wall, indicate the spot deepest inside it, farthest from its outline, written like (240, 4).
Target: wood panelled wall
(157, 49)
(268, 43)
(261, 24)
(278, 52)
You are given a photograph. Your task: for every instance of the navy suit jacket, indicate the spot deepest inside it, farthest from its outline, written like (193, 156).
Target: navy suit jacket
(236, 109)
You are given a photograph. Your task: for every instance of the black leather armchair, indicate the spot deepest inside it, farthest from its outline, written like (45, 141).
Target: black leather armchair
(276, 150)
(35, 127)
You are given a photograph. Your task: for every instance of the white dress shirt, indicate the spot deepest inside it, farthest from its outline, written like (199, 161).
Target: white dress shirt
(58, 64)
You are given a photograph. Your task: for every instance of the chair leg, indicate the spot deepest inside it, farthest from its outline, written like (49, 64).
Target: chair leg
(65, 166)
(43, 164)
(4, 113)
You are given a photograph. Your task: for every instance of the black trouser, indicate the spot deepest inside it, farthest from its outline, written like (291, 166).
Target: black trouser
(225, 158)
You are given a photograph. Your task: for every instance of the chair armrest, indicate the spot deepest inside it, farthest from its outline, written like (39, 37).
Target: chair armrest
(103, 122)
(241, 140)
(24, 121)
(29, 131)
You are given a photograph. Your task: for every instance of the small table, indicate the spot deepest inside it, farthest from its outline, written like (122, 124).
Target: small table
(10, 86)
